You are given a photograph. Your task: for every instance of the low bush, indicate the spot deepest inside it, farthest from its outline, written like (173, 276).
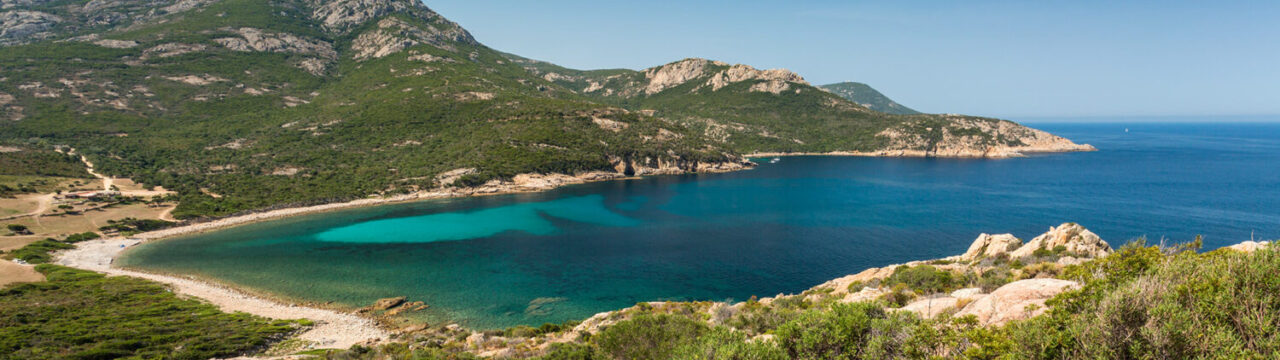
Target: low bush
(38, 252)
(79, 314)
(924, 279)
(648, 336)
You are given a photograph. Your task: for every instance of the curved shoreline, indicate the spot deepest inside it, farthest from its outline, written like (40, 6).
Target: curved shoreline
(334, 328)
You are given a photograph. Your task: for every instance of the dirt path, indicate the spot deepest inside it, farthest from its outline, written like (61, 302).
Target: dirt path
(167, 215)
(333, 329)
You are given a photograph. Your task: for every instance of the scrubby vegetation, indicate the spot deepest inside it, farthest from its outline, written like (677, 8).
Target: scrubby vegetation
(84, 315)
(1142, 302)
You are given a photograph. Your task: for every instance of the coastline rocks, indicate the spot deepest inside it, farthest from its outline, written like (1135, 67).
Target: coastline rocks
(1078, 241)
(1250, 246)
(387, 303)
(970, 138)
(1075, 238)
(1016, 301)
(990, 245)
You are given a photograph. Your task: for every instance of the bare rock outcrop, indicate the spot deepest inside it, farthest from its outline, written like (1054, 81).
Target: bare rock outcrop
(1250, 246)
(394, 35)
(171, 50)
(681, 72)
(931, 307)
(990, 245)
(252, 39)
(116, 44)
(19, 26)
(1016, 301)
(1075, 238)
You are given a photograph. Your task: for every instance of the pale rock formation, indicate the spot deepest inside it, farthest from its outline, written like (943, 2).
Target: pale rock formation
(967, 293)
(19, 26)
(675, 74)
(863, 295)
(447, 178)
(1250, 246)
(1016, 301)
(1074, 237)
(990, 245)
(116, 44)
(678, 73)
(170, 50)
(252, 39)
(931, 307)
(314, 66)
(608, 124)
(394, 35)
(197, 80)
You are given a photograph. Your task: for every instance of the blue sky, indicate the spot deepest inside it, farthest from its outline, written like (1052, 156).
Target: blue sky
(995, 58)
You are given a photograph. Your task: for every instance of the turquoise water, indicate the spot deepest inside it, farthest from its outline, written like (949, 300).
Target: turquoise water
(498, 261)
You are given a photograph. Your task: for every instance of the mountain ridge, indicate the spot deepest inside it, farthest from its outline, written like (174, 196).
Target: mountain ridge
(869, 97)
(299, 102)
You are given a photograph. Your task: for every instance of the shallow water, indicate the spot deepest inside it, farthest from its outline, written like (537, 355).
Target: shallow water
(499, 261)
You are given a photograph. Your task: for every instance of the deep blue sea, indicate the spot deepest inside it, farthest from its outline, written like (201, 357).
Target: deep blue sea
(493, 262)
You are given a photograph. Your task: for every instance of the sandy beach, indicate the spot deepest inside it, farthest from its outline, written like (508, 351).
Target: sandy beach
(333, 329)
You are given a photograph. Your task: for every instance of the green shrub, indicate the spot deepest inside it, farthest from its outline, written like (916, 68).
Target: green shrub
(648, 336)
(38, 252)
(1139, 303)
(724, 344)
(573, 351)
(846, 331)
(86, 236)
(924, 279)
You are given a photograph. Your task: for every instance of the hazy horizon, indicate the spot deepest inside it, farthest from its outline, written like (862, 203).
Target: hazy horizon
(989, 58)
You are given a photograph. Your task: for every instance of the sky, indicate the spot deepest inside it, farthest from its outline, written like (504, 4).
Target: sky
(994, 58)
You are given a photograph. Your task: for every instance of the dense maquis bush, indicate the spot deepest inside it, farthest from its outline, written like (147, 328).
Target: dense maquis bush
(1142, 304)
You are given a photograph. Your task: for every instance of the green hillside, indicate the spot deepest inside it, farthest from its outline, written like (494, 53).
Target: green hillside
(263, 104)
(241, 105)
(864, 95)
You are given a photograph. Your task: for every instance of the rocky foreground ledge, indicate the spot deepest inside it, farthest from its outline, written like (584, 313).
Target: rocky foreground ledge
(1022, 296)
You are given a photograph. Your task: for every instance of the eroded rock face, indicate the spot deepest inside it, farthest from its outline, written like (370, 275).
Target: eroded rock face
(1075, 238)
(678, 73)
(990, 245)
(18, 26)
(1016, 301)
(394, 35)
(252, 39)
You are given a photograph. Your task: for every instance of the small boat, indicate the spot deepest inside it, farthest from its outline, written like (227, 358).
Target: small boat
(775, 160)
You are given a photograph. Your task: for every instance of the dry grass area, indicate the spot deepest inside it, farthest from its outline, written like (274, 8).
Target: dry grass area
(11, 272)
(62, 225)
